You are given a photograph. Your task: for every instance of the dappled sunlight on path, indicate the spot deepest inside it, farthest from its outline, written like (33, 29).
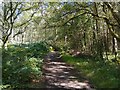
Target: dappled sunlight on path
(61, 75)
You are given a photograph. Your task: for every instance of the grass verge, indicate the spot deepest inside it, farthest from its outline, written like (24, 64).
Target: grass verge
(102, 75)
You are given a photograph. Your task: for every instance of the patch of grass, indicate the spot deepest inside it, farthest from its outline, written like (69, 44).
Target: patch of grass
(102, 75)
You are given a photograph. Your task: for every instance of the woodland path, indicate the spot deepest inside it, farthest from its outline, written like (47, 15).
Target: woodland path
(60, 75)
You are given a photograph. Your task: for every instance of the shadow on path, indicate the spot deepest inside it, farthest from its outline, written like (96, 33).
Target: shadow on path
(58, 74)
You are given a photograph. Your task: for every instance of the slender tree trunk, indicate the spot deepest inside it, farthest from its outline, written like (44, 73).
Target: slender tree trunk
(23, 38)
(106, 45)
(6, 35)
(98, 39)
(115, 48)
(84, 37)
(113, 45)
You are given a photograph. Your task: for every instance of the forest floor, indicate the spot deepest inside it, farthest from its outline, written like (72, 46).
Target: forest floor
(60, 75)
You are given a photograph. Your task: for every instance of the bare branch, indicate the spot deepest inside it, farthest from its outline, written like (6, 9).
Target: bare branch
(20, 32)
(13, 11)
(27, 20)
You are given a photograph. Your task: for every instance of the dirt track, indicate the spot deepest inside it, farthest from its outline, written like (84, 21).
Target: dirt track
(58, 74)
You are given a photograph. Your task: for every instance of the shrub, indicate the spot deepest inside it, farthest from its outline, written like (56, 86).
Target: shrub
(22, 63)
(21, 72)
(37, 50)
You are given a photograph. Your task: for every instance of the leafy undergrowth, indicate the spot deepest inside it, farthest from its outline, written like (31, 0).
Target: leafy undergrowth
(102, 75)
(22, 63)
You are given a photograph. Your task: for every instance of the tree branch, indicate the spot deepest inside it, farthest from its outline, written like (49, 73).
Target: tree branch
(20, 32)
(27, 20)
(116, 17)
(112, 32)
(73, 18)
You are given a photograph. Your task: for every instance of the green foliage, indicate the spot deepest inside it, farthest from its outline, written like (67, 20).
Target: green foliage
(80, 26)
(38, 49)
(102, 75)
(22, 63)
(30, 70)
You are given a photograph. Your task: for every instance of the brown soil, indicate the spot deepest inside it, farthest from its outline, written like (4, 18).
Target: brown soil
(58, 74)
